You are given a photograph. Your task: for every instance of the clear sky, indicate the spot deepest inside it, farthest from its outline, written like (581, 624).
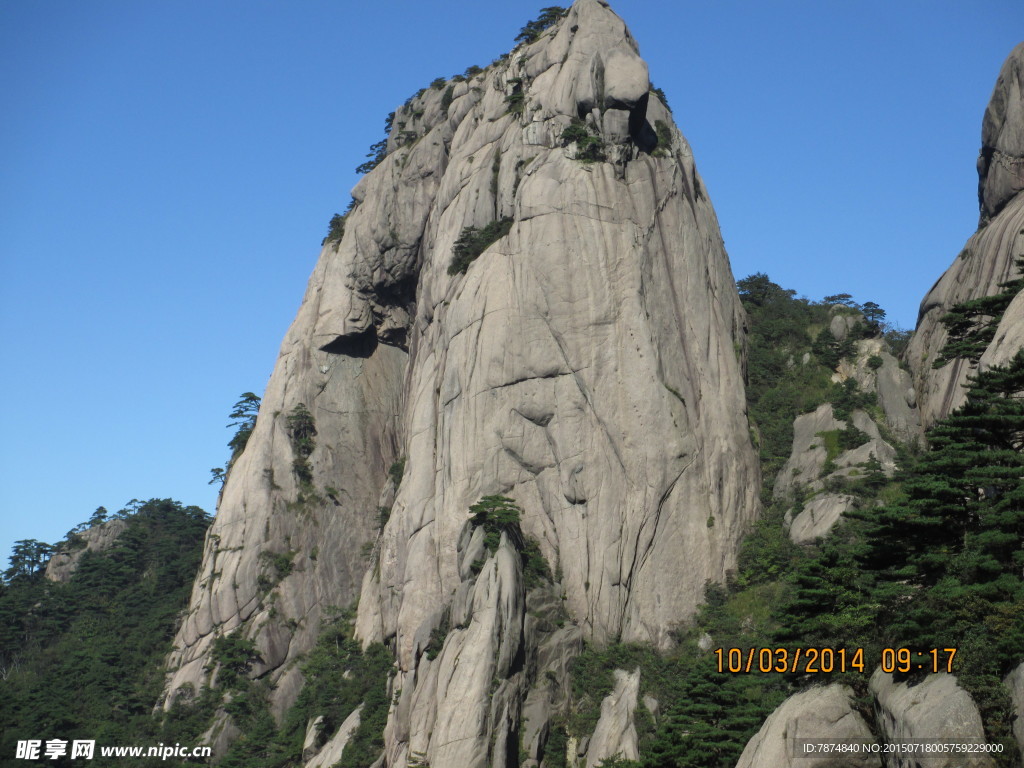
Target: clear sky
(167, 171)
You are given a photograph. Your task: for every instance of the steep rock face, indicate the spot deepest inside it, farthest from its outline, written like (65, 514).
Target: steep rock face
(817, 713)
(588, 364)
(282, 548)
(934, 708)
(1001, 163)
(64, 562)
(988, 257)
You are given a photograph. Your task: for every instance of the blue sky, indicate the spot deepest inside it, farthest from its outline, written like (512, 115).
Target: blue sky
(167, 171)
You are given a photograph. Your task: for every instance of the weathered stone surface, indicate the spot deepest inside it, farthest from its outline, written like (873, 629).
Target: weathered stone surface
(1009, 336)
(985, 262)
(615, 733)
(332, 751)
(1014, 683)
(312, 737)
(842, 323)
(818, 516)
(1001, 163)
(934, 708)
(581, 366)
(64, 561)
(588, 364)
(988, 257)
(817, 713)
(219, 736)
(809, 454)
(806, 463)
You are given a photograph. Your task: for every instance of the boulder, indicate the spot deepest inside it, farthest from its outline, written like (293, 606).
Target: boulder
(825, 713)
(932, 708)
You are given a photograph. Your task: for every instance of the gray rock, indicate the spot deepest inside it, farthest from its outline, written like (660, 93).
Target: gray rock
(585, 364)
(987, 261)
(988, 257)
(653, 706)
(817, 713)
(896, 396)
(843, 323)
(615, 733)
(807, 460)
(808, 454)
(818, 516)
(1009, 336)
(933, 708)
(1001, 163)
(64, 562)
(1014, 683)
(332, 751)
(311, 741)
(220, 735)
(625, 79)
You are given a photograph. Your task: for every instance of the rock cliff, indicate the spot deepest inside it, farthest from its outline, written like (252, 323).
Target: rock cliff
(587, 364)
(64, 562)
(987, 259)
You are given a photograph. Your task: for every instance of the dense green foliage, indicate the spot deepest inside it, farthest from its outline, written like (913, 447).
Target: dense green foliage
(340, 677)
(589, 147)
(783, 329)
(84, 659)
(932, 558)
(473, 242)
(499, 515)
(940, 566)
(706, 717)
(301, 434)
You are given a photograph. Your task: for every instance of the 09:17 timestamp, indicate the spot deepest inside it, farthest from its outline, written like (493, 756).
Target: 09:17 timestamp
(816, 660)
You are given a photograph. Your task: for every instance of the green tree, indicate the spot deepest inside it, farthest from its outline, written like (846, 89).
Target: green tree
(244, 414)
(27, 559)
(873, 313)
(548, 17)
(98, 517)
(497, 515)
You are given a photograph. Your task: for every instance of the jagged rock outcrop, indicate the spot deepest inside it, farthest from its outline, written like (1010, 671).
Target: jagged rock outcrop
(331, 752)
(875, 369)
(588, 364)
(64, 561)
(818, 516)
(825, 713)
(988, 257)
(933, 708)
(814, 435)
(1001, 162)
(615, 733)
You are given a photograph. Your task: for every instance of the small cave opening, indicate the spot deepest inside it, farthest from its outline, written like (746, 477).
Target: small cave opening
(361, 345)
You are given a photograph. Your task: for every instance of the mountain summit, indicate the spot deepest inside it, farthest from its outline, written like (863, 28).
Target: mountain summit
(528, 304)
